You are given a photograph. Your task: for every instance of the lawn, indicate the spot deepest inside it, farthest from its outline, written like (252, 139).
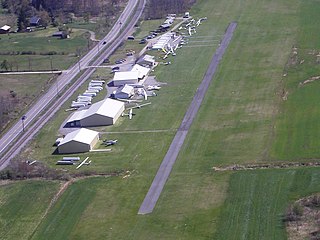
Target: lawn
(297, 126)
(79, 215)
(257, 200)
(22, 205)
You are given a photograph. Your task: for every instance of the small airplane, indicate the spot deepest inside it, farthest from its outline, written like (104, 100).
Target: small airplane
(110, 142)
(129, 114)
(154, 87)
(129, 100)
(141, 105)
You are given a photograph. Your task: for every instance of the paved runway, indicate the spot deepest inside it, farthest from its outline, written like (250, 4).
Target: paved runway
(166, 166)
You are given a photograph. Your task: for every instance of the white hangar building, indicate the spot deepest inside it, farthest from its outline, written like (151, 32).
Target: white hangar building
(147, 60)
(122, 78)
(124, 92)
(81, 140)
(103, 113)
(142, 71)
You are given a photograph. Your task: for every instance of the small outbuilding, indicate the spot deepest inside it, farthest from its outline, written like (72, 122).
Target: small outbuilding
(34, 21)
(124, 92)
(142, 71)
(79, 141)
(122, 78)
(5, 29)
(103, 113)
(147, 60)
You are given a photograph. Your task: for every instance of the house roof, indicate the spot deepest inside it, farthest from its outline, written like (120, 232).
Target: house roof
(118, 76)
(5, 28)
(82, 135)
(125, 89)
(149, 58)
(143, 71)
(34, 20)
(108, 107)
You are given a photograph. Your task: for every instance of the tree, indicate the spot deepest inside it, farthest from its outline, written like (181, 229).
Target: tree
(45, 19)
(86, 17)
(5, 65)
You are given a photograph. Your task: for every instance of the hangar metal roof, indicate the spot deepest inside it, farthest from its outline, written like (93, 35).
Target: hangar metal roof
(107, 107)
(118, 76)
(82, 135)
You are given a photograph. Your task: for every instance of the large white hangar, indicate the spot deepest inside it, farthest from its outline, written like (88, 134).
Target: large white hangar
(122, 78)
(103, 113)
(81, 140)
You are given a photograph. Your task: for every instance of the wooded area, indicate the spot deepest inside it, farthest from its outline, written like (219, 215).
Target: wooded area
(160, 8)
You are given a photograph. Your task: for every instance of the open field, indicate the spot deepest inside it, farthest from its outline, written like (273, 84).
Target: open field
(297, 127)
(243, 120)
(257, 201)
(22, 206)
(78, 212)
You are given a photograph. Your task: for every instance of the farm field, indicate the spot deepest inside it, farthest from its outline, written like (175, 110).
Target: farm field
(257, 201)
(22, 206)
(243, 120)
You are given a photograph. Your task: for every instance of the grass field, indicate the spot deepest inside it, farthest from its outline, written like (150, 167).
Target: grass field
(297, 126)
(22, 206)
(257, 201)
(243, 120)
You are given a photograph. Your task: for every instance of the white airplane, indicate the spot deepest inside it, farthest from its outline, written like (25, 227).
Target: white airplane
(141, 105)
(84, 162)
(110, 142)
(128, 100)
(130, 114)
(154, 87)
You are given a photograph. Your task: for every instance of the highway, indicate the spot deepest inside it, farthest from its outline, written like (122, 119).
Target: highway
(47, 105)
(165, 168)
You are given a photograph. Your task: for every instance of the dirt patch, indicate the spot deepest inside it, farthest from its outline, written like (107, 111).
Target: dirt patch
(237, 167)
(303, 217)
(284, 94)
(310, 80)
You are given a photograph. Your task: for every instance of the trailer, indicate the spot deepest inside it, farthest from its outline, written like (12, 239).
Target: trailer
(62, 162)
(95, 84)
(71, 159)
(78, 104)
(89, 94)
(94, 89)
(98, 81)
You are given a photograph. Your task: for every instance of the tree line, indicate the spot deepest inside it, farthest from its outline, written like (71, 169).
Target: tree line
(160, 8)
(58, 11)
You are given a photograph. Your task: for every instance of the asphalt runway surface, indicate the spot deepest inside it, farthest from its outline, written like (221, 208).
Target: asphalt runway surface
(166, 166)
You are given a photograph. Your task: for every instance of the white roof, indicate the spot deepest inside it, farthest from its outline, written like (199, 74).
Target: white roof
(108, 107)
(126, 89)
(163, 41)
(82, 135)
(118, 76)
(5, 27)
(149, 58)
(143, 71)
(76, 116)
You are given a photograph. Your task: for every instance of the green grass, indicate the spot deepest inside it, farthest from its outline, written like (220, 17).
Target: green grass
(22, 206)
(67, 212)
(257, 201)
(79, 211)
(296, 129)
